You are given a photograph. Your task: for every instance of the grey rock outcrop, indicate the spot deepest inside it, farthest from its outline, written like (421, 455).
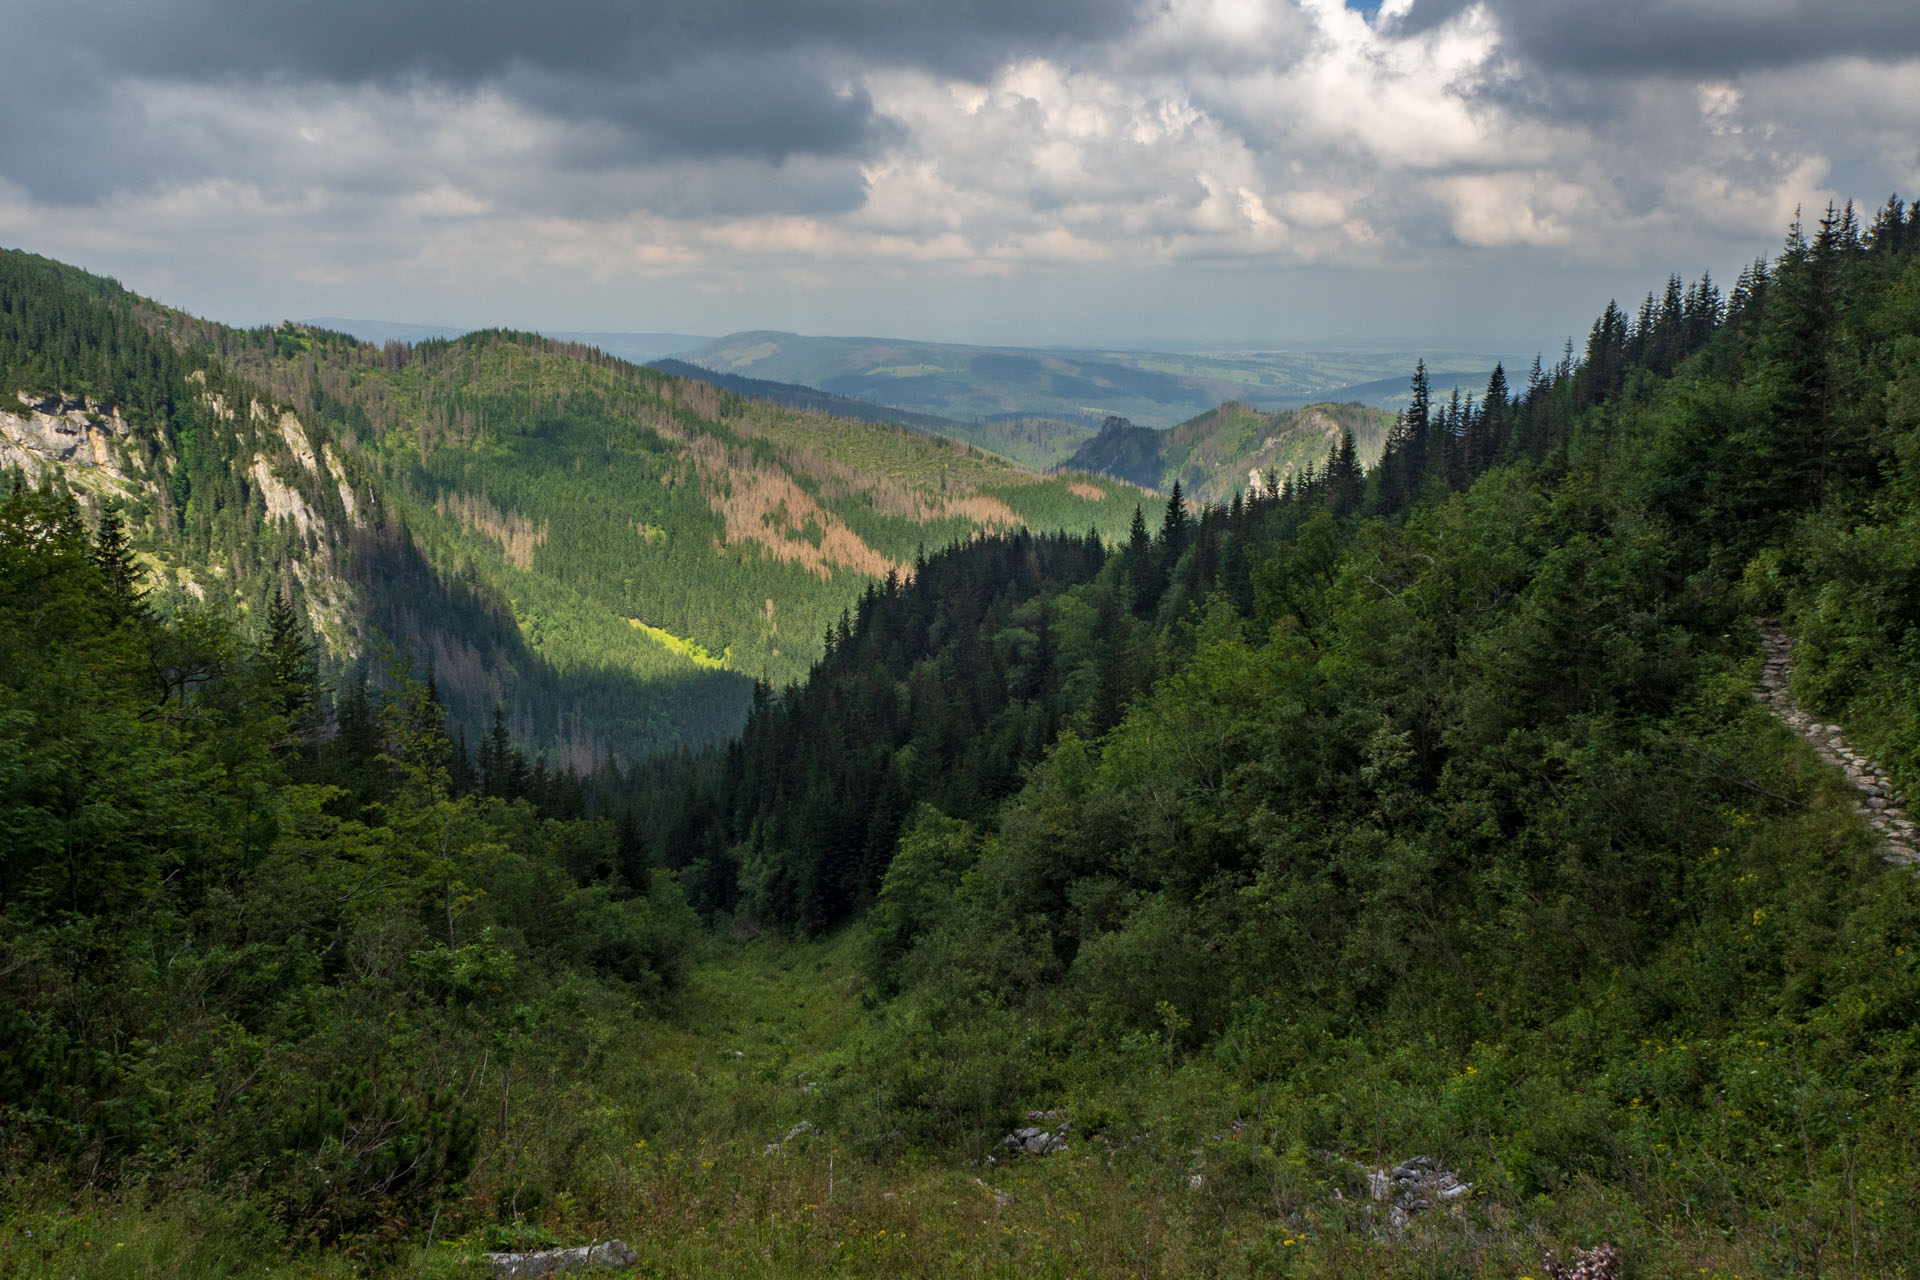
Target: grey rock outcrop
(1044, 1135)
(609, 1255)
(1412, 1188)
(1401, 1192)
(61, 430)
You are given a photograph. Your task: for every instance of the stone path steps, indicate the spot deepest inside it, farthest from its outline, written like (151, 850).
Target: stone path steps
(1879, 803)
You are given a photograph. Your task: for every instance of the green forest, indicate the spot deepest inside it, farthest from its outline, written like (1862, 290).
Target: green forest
(1235, 446)
(1414, 808)
(541, 527)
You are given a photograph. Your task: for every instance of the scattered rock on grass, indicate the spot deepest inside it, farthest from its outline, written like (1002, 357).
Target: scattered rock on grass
(1413, 1187)
(1601, 1262)
(1045, 1134)
(610, 1255)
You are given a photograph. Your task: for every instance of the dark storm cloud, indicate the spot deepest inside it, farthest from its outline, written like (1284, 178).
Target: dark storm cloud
(767, 106)
(715, 78)
(69, 135)
(1689, 37)
(464, 42)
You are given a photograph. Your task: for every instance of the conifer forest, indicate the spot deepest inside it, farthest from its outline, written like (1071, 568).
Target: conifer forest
(481, 795)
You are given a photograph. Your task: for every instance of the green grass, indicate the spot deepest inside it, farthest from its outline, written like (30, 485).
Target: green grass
(669, 1136)
(685, 648)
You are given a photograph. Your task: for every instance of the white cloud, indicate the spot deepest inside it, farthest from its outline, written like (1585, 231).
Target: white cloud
(1268, 133)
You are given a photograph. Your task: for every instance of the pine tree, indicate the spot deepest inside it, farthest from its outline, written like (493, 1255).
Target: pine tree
(1145, 579)
(1176, 527)
(1345, 484)
(287, 654)
(112, 555)
(1418, 428)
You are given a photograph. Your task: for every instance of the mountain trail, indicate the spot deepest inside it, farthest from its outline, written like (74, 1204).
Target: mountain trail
(1879, 803)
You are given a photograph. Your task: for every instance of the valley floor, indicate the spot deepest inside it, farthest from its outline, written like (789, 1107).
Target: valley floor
(724, 1142)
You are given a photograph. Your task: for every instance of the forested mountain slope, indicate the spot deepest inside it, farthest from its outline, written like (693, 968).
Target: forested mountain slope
(1421, 809)
(612, 553)
(1432, 806)
(1039, 443)
(1233, 447)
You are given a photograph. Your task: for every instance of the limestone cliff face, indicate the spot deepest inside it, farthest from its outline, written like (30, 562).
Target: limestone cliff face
(73, 434)
(90, 448)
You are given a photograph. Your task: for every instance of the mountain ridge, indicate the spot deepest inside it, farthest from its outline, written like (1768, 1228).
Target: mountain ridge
(980, 383)
(388, 488)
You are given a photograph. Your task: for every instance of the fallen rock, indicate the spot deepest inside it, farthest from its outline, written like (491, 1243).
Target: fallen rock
(610, 1255)
(1413, 1187)
(1036, 1141)
(1602, 1262)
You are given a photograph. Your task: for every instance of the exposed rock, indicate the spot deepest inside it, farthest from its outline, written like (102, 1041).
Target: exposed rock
(1045, 1134)
(1035, 1141)
(1413, 1187)
(347, 500)
(281, 499)
(296, 437)
(611, 1255)
(1601, 1262)
(62, 430)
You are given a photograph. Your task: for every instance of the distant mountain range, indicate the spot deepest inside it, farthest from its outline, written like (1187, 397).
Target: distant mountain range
(1039, 443)
(636, 347)
(958, 390)
(1153, 389)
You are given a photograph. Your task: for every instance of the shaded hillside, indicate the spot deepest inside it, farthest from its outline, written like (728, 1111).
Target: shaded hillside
(1231, 448)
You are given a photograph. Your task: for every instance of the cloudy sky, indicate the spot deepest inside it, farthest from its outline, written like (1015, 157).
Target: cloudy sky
(1204, 172)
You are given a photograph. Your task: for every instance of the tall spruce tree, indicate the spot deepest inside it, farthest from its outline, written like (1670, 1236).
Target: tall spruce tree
(287, 656)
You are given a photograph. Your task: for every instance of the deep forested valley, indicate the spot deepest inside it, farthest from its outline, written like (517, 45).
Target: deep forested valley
(1412, 803)
(608, 555)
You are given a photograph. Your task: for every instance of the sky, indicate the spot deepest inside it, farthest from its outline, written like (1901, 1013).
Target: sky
(1155, 173)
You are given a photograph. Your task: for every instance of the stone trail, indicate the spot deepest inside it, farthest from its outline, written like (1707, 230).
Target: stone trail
(1879, 803)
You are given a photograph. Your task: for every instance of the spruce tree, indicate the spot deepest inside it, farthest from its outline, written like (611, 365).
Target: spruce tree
(287, 655)
(1145, 580)
(1345, 484)
(1176, 527)
(1418, 427)
(112, 555)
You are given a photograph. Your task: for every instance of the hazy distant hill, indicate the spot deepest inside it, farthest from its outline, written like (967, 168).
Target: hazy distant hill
(1397, 392)
(1223, 449)
(1030, 442)
(640, 348)
(970, 383)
